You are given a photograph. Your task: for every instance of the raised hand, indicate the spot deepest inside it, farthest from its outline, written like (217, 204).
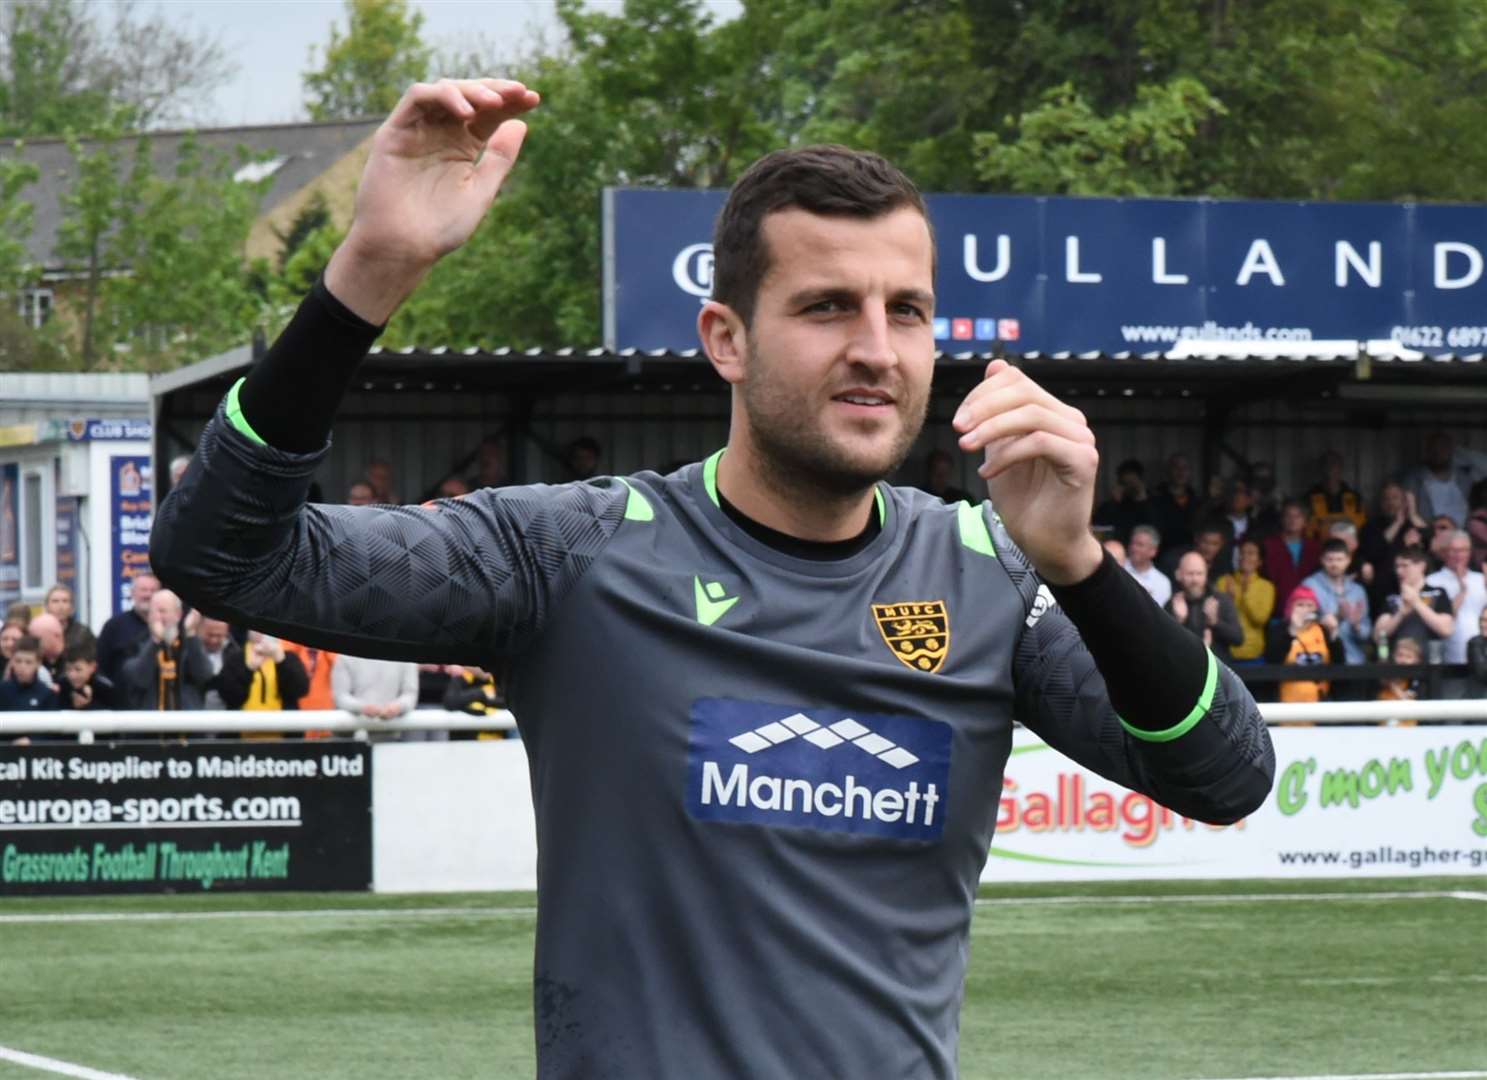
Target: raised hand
(1040, 470)
(435, 167)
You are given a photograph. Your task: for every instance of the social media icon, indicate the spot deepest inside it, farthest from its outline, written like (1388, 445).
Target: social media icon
(961, 329)
(1009, 329)
(942, 328)
(985, 329)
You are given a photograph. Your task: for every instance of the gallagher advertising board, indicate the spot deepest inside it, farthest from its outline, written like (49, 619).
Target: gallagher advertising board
(1348, 802)
(1042, 274)
(130, 818)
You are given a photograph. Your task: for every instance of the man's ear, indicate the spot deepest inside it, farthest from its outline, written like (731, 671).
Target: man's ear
(724, 338)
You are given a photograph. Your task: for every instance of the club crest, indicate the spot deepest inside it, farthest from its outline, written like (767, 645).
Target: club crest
(917, 633)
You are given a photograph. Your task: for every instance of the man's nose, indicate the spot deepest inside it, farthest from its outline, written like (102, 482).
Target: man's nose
(871, 342)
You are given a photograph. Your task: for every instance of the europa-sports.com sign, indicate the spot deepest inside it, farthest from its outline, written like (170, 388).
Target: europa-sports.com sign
(1347, 802)
(1114, 275)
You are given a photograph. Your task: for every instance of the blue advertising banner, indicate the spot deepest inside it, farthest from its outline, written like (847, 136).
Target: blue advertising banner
(129, 511)
(69, 565)
(1043, 274)
(84, 430)
(10, 533)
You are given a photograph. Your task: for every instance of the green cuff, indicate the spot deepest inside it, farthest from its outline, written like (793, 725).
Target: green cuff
(1187, 723)
(235, 414)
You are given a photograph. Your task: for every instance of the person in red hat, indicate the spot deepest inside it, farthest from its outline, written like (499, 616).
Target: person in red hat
(1301, 639)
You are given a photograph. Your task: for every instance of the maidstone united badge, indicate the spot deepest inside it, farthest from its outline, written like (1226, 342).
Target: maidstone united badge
(917, 633)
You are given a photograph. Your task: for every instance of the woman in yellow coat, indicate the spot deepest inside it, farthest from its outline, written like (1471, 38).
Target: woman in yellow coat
(1254, 597)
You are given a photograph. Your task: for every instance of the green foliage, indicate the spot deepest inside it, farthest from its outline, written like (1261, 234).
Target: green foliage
(365, 70)
(313, 216)
(16, 269)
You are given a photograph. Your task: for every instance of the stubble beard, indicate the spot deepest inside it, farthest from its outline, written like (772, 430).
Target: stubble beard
(796, 455)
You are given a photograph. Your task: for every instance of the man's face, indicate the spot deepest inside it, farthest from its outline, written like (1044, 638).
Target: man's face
(1410, 572)
(1439, 451)
(1179, 472)
(8, 637)
(24, 665)
(1293, 520)
(1210, 544)
(59, 603)
(1459, 554)
(1142, 549)
(360, 494)
(213, 634)
(1239, 500)
(79, 672)
(1192, 574)
(841, 349)
(1347, 536)
(1391, 499)
(1335, 563)
(165, 607)
(379, 475)
(144, 589)
(47, 630)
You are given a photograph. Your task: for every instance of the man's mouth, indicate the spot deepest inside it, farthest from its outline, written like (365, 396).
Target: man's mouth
(871, 399)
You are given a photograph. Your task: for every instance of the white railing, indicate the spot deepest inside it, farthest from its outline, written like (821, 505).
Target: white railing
(86, 725)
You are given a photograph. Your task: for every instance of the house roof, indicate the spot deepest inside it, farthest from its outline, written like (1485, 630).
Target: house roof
(297, 154)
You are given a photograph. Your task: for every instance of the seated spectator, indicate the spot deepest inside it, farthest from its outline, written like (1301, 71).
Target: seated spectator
(1418, 610)
(1467, 591)
(380, 689)
(1140, 553)
(1300, 640)
(47, 629)
(1176, 505)
(263, 677)
(1476, 659)
(1342, 602)
(939, 467)
(1443, 480)
(59, 602)
(83, 686)
(582, 457)
(22, 690)
(168, 670)
(378, 477)
(1207, 614)
(1476, 522)
(1254, 602)
(121, 635)
(1264, 499)
(1129, 505)
(1332, 499)
(1403, 689)
(360, 494)
(1291, 555)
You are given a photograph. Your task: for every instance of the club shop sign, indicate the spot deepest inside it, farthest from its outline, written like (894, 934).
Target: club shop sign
(1114, 275)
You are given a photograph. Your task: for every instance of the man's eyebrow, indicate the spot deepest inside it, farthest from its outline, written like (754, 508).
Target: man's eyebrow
(814, 293)
(918, 296)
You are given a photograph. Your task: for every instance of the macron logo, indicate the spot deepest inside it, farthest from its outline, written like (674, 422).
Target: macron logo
(818, 768)
(824, 738)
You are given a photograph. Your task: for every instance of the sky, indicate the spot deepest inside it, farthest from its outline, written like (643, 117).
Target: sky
(270, 41)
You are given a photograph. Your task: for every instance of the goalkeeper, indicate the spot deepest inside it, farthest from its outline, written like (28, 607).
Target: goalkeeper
(768, 699)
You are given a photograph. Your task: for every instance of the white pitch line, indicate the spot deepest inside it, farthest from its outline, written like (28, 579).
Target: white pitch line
(61, 1068)
(485, 913)
(1463, 895)
(1475, 1074)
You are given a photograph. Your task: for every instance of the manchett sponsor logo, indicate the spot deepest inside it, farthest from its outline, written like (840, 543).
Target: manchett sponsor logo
(818, 768)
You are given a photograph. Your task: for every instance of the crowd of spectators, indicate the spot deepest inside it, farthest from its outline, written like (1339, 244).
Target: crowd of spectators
(1316, 579)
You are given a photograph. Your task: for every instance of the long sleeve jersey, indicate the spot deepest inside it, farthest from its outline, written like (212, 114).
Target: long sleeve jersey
(764, 785)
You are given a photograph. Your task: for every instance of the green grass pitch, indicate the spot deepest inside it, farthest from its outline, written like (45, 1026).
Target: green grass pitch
(1112, 981)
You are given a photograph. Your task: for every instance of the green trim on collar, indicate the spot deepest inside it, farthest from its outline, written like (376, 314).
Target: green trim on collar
(637, 508)
(882, 506)
(235, 416)
(973, 531)
(710, 477)
(1182, 727)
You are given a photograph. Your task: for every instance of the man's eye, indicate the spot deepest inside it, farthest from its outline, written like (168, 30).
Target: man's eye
(908, 311)
(825, 306)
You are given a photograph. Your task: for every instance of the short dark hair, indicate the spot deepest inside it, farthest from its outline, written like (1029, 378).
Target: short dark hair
(28, 643)
(1332, 546)
(586, 442)
(1130, 465)
(80, 652)
(829, 180)
(1414, 554)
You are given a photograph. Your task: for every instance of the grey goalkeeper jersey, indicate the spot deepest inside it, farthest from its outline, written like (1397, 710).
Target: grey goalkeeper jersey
(764, 786)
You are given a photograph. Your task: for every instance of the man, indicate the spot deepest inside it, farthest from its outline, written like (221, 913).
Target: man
(59, 602)
(1213, 543)
(939, 469)
(1239, 511)
(220, 652)
(1342, 606)
(21, 690)
(1444, 478)
(1145, 543)
(581, 458)
(1130, 506)
(1332, 500)
(1176, 505)
(46, 628)
(360, 494)
(1418, 610)
(378, 477)
(84, 686)
(796, 603)
(379, 689)
(1291, 555)
(168, 671)
(1265, 506)
(1468, 595)
(121, 635)
(1208, 615)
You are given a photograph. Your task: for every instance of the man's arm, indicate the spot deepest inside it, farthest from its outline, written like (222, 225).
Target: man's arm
(1437, 614)
(1227, 630)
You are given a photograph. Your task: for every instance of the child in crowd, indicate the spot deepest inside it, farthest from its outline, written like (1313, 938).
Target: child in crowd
(1406, 651)
(23, 690)
(84, 686)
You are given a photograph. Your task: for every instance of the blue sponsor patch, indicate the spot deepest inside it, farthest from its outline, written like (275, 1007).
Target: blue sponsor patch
(807, 767)
(985, 329)
(941, 327)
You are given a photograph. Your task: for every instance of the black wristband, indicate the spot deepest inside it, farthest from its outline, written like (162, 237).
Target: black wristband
(291, 396)
(1154, 668)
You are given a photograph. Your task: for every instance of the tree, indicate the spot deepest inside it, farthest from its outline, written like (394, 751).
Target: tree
(16, 215)
(366, 70)
(90, 211)
(62, 68)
